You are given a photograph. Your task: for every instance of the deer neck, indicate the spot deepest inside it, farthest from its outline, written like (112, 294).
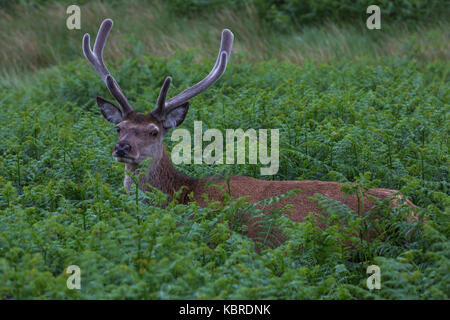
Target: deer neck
(162, 175)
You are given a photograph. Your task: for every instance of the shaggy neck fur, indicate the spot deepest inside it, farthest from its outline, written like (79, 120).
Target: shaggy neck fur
(162, 175)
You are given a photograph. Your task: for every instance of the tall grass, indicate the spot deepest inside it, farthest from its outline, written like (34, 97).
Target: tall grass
(34, 37)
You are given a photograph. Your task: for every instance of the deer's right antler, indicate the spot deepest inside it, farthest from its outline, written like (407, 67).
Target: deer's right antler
(96, 59)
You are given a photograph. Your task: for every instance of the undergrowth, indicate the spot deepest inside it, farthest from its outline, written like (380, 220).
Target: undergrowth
(381, 123)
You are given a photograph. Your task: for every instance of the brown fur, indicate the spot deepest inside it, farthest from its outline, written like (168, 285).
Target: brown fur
(167, 179)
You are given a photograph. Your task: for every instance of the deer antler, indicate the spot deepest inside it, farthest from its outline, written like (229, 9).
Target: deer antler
(96, 59)
(163, 108)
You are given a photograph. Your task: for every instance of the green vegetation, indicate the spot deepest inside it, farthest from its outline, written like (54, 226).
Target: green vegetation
(62, 201)
(382, 122)
(34, 37)
(282, 14)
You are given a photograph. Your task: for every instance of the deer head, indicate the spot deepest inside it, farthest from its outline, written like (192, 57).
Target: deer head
(141, 135)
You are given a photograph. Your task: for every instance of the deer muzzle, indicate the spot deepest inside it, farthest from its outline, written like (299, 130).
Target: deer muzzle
(121, 150)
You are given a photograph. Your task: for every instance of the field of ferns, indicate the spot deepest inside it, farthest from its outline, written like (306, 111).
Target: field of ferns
(377, 122)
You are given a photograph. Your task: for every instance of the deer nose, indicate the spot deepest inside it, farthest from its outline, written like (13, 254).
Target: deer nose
(122, 149)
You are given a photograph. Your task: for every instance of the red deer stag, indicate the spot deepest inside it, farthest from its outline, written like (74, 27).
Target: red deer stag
(140, 136)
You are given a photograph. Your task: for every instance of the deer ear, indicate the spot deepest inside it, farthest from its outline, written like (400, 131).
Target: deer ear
(176, 117)
(109, 110)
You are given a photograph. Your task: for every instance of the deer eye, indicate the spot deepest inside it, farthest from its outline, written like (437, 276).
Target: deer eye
(118, 129)
(154, 132)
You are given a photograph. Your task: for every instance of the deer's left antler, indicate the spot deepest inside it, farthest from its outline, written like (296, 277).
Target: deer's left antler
(164, 107)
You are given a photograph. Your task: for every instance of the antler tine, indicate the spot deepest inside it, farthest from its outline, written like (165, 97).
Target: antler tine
(216, 72)
(161, 102)
(96, 59)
